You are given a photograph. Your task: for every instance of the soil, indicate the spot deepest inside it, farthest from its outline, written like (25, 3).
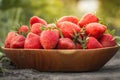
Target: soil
(111, 71)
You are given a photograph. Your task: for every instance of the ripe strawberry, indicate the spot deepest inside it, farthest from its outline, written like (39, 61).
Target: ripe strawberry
(17, 42)
(107, 40)
(53, 27)
(87, 18)
(36, 19)
(93, 43)
(68, 28)
(23, 29)
(78, 46)
(95, 29)
(8, 39)
(32, 41)
(72, 19)
(49, 39)
(36, 28)
(65, 43)
(57, 32)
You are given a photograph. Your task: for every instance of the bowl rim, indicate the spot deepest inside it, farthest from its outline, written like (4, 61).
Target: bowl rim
(15, 49)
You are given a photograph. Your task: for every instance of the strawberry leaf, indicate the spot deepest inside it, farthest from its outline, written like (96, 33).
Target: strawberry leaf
(112, 32)
(24, 33)
(16, 27)
(117, 39)
(101, 20)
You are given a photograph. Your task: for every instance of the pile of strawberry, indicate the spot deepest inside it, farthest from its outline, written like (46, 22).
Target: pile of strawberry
(67, 33)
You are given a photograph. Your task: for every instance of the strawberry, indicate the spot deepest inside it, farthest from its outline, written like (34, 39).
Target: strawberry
(49, 39)
(8, 39)
(78, 46)
(87, 18)
(57, 32)
(68, 28)
(95, 29)
(17, 42)
(72, 19)
(32, 41)
(107, 40)
(93, 43)
(53, 27)
(65, 43)
(23, 29)
(36, 28)
(36, 19)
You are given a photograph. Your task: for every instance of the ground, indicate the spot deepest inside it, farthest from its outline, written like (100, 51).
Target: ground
(111, 71)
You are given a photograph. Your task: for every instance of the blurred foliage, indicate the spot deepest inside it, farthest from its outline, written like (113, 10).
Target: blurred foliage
(109, 14)
(46, 9)
(8, 19)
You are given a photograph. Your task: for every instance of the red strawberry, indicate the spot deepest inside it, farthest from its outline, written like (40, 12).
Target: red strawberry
(72, 19)
(95, 29)
(65, 43)
(78, 46)
(17, 42)
(49, 39)
(36, 19)
(32, 41)
(87, 18)
(93, 43)
(107, 40)
(8, 39)
(23, 29)
(36, 28)
(68, 28)
(53, 27)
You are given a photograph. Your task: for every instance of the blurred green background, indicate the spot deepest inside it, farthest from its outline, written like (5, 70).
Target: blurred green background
(16, 12)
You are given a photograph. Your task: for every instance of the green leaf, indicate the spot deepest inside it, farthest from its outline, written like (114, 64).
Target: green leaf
(24, 33)
(1, 55)
(42, 27)
(117, 40)
(3, 70)
(112, 32)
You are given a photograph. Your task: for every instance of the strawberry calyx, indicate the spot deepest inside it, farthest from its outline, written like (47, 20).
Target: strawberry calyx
(24, 34)
(21, 32)
(117, 40)
(43, 27)
(15, 29)
(53, 27)
(80, 37)
(75, 36)
(112, 32)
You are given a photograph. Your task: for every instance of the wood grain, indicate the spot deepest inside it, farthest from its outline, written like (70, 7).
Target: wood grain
(61, 60)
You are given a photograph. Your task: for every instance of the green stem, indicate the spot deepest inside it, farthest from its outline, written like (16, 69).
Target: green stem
(60, 33)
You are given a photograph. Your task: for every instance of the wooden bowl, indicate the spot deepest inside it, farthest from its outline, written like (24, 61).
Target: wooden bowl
(61, 60)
